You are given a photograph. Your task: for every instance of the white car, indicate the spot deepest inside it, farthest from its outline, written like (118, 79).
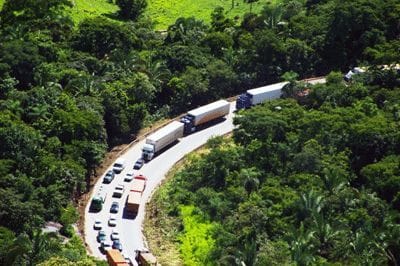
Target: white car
(119, 165)
(114, 235)
(128, 177)
(97, 225)
(113, 220)
(119, 190)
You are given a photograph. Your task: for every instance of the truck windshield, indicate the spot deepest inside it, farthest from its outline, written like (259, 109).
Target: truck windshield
(147, 149)
(189, 117)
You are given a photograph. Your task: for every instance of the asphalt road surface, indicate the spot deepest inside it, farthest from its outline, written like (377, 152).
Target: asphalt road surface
(130, 230)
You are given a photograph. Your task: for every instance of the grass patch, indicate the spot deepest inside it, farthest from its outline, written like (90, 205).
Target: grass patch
(92, 8)
(88, 8)
(165, 12)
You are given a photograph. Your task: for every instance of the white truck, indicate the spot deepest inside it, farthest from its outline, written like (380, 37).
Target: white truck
(259, 95)
(161, 139)
(204, 114)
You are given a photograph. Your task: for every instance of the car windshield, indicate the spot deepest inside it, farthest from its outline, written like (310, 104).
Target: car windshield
(117, 165)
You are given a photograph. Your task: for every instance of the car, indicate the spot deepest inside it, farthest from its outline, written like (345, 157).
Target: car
(114, 207)
(105, 245)
(119, 165)
(113, 220)
(114, 235)
(139, 163)
(109, 176)
(128, 261)
(119, 191)
(117, 245)
(98, 225)
(101, 236)
(352, 72)
(128, 177)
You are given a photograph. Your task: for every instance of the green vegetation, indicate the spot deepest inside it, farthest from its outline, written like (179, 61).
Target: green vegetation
(195, 238)
(84, 9)
(315, 183)
(165, 12)
(69, 92)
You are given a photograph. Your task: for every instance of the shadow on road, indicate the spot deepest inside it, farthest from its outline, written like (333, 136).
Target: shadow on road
(128, 215)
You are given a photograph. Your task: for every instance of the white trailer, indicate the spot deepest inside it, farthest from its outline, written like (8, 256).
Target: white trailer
(205, 114)
(260, 95)
(162, 138)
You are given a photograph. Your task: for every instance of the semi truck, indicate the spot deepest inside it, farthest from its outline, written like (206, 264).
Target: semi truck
(135, 195)
(161, 139)
(115, 258)
(204, 114)
(98, 200)
(259, 95)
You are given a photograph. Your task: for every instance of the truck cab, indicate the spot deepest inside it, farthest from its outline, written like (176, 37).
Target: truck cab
(148, 152)
(188, 121)
(243, 101)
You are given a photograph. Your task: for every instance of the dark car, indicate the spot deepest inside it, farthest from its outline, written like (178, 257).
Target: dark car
(114, 207)
(104, 246)
(109, 176)
(139, 163)
(101, 236)
(117, 245)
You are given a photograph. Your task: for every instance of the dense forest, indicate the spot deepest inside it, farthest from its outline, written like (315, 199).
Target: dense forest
(68, 93)
(315, 182)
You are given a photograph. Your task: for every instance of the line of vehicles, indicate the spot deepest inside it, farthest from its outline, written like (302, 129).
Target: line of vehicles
(155, 143)
(195, 119)
(142, 257)
(192, 121)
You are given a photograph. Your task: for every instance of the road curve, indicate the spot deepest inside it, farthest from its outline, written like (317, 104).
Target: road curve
(155, 170)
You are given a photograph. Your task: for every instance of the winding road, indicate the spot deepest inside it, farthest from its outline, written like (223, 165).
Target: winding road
(131, 229)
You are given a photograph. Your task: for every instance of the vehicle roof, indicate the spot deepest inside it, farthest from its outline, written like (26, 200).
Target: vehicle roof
(272, 87)
(116, 255)
(207, 107)
(171, 127)
(134, 197)
(120, 161)
(138, 185)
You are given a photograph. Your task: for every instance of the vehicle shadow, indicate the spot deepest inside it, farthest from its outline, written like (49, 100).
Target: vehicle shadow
(209, 124)
(128, 215)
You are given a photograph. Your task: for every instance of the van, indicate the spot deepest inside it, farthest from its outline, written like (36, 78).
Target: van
(119, 165)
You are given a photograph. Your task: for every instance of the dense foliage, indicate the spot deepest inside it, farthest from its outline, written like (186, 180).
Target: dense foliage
(69, 92)
(305, 184)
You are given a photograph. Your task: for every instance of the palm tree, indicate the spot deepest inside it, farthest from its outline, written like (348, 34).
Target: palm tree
(309, 204)
(157, 71)
(324, 233)
(251, 3)
(250, 177)
(301, 245)
(273, 13)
